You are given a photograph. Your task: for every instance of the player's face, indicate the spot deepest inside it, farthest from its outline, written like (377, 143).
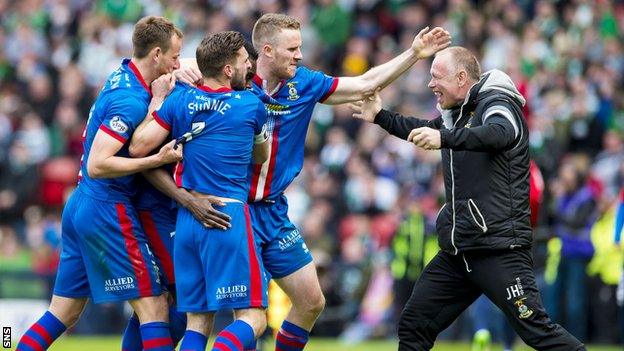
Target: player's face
(241, 66)
(287, 53)
(250, 73)
(445, 82)
(170, 60)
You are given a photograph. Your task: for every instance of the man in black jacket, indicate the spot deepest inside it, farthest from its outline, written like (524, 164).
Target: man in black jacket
(484, 228)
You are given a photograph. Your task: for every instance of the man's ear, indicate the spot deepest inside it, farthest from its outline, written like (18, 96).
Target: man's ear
(155, 53)
(228, 71)
(462, 77)
(267, 50)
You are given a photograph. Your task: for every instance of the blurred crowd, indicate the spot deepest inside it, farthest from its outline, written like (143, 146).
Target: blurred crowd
(365, 201)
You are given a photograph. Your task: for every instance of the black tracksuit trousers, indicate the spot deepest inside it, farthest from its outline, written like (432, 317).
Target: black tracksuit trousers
(449, 284)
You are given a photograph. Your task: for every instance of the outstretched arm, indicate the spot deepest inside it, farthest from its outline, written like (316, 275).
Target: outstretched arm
(394, 123)
(357, 88)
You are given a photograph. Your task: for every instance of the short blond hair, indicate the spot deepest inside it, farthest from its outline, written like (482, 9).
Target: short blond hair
(270, 24)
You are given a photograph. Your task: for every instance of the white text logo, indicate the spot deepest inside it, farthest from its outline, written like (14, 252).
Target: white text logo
(231, 292)
(118, 284)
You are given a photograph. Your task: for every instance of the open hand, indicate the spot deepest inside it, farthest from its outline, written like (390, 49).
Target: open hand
(202, 208)
(428, 42)
(368, 108)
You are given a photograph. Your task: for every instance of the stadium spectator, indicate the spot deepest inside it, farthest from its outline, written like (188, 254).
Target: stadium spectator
(574, 212)
(571, 39)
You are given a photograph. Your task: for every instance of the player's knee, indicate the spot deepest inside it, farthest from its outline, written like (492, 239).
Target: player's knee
(260, 326)
(67, 310)
(256, 318)
(151, 309)
(317, 304)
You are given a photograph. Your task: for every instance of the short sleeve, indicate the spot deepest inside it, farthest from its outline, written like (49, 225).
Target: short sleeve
(122, 117)
(322, 84)
(165, 115)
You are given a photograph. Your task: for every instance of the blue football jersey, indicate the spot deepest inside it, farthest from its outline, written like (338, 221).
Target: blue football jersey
(119, 108)
(287, 125)
(223, 123)
(148, 197)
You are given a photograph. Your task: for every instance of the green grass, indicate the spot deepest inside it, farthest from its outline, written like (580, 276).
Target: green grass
(75, 343)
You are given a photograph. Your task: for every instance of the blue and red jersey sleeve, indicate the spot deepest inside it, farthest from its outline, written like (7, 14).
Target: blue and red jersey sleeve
(321, 85)
(170, 108)
(122, 117)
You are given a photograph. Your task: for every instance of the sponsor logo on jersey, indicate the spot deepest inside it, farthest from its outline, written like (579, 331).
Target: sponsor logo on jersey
(118, 125)
(277, 110)
(119, 284)
(231, 292)
(290, 239)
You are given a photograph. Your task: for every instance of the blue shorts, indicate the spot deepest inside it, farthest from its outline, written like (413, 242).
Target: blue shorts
(218, 269)
(281, 244)
(104, 252)
(159, 225)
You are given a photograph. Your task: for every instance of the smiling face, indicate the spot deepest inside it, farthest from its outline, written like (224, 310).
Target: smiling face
(447, 82)
(285, 49)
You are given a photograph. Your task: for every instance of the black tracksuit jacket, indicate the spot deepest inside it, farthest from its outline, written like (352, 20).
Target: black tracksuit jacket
(483, 229)
(485, 161)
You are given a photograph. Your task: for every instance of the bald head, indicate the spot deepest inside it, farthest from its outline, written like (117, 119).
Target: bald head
(462, 59)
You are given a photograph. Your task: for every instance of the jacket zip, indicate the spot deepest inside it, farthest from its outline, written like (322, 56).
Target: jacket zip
(461, 112)
(453, 204)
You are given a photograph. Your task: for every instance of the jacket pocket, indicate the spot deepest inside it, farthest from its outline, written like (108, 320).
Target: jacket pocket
(477, 217)
(440, 211)
(469, 220)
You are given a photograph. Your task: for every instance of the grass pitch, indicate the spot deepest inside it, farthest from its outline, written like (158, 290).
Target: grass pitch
(76, 343)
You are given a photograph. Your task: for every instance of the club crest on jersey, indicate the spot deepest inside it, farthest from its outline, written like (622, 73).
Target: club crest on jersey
(118, 125)
(523, 310)
(470, 120)
(292, 91)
